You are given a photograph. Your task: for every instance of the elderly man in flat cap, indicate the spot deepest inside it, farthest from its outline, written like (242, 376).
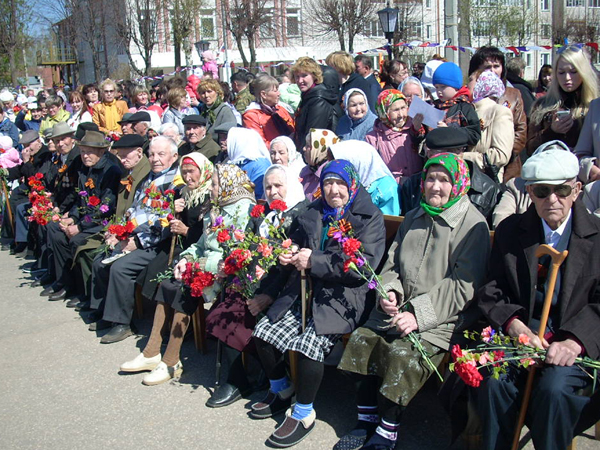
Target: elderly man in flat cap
(196, 139)
(512, 302)
(96, 196)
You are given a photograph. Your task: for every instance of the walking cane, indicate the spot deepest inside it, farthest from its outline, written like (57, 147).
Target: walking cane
(303, 298)
(219, 352)
(10, 214)
(557, 259)
(172, 250)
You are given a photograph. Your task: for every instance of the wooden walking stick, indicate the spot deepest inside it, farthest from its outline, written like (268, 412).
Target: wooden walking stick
(557, 259)
(10, 214)
(172, 250)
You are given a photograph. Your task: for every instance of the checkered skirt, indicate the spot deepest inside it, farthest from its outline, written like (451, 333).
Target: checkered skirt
(286, 334)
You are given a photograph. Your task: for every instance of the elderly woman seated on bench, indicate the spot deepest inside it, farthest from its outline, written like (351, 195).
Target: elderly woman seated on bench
(338, 297)
(436, 262)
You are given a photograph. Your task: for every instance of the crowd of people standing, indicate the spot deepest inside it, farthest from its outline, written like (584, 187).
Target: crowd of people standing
(120, 187)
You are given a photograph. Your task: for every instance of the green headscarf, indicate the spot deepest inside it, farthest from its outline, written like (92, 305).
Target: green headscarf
(459, 174)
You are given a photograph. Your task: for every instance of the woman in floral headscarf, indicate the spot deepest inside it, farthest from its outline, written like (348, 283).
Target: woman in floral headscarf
(318, 142)
(231, 195)
(494, 149)
(445, 248)
(395, 136)
(337, 304)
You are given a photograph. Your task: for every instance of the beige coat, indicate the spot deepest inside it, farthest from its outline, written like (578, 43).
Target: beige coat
(515, 200)
(436, 264)
(588, 145)
(497, 135)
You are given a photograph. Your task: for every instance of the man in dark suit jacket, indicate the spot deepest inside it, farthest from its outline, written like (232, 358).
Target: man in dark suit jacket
(512, 301)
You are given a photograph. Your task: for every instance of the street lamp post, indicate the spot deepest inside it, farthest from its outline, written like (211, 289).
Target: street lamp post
(388, 17)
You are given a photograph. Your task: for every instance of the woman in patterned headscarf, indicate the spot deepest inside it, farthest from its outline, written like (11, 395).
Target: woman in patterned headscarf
(497, 127)
(337, 303)
(395, 137)
(445, 249)
(231, 195)
(318, 142)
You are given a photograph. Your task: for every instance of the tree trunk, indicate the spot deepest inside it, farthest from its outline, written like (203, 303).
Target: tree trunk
(341, 40)
(238, 40)
(252, 68)
(12, 58)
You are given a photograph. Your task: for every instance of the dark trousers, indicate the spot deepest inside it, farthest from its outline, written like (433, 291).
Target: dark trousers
(21, 222)
(114, 285)
(63, 250)
(554, 407)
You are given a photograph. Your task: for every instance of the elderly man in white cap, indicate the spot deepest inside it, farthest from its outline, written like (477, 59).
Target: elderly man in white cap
(512, 301)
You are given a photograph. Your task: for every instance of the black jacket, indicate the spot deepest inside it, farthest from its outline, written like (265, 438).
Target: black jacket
(103, 181)
(513, 271)
(39, 163)
(319, 108)
(526, 90)
(338, 297)
(62, 179)
(484, 192)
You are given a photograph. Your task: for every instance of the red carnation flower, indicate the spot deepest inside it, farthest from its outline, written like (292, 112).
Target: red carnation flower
(257, 211)
(93, 201)
(456, 352)
(169, 192)
(129, 227)
(278, 205)
(223, 236)
(166, 205)
(351, 246)
(39, 176)
(469, 374)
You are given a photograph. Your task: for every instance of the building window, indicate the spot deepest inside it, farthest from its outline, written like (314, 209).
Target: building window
(574, 3)
(266, 29)
(373, 29)
(594, 3)
(545, 58)
(428, 33)
(428, 4)
(482, 28)
(415, 29)
(546, 31)
(207, 24)
(292, 20)
(545, 5)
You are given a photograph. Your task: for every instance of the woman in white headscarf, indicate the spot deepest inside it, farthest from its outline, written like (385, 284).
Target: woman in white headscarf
(232, 319)
(373, 173)
(247, 150)
(359, 119)
(283, 151)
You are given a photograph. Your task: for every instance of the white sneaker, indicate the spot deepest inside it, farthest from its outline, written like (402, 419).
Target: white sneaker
(140, 363)
(162, 373)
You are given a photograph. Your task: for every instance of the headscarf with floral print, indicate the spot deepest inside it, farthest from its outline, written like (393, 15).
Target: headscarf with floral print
(459, 175)
(384, 101)
(234, 185)
(319, 141)
(344, 170)
(488, 85)
(194, 197)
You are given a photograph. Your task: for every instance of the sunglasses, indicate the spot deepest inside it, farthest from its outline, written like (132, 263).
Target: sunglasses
(108, 92)
(543, 190)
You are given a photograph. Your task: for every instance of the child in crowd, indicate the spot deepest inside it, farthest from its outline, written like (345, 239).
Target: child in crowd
(454, 98)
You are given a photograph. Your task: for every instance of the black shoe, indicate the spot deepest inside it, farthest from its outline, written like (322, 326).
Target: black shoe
(225, 395)
(20, 248)
(58, 295)
(43, 280)
(47, 292)
(117, 334)
(292, 431)
(99, 325)
(83, 306)
(74, 302)
(355, 439)
(272, 404)
(5, 247)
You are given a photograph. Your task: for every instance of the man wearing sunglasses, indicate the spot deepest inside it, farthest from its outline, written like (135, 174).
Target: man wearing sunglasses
(512, 302)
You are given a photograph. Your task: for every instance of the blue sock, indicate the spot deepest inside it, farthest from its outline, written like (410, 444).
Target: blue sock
(279, 385)
(302, 410)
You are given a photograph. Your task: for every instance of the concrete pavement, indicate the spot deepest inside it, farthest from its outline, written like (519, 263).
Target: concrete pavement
(61, 389)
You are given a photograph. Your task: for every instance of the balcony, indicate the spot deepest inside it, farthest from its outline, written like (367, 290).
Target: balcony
(55, 56)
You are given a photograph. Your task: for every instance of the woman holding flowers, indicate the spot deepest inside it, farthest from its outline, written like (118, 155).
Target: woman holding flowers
(435, 263)
(232, 320)
(232, 195)
(338, 297)
(187, 224)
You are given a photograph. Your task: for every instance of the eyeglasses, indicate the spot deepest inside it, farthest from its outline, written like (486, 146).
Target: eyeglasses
(108, 92)
(544, 190)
